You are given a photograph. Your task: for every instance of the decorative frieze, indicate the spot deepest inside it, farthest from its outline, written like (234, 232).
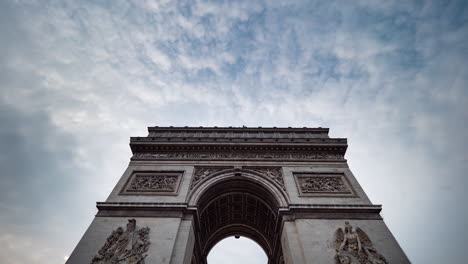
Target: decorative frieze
(316, 184)
(274, 173)
(322, 184)
(125, 246)
(355, 247)
(153, 183)
(201, 173)
(236, 156)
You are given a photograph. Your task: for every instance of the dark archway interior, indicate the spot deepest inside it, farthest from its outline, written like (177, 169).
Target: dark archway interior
(238, 207)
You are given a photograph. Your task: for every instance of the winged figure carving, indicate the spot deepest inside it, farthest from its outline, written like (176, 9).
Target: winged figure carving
(355, 247)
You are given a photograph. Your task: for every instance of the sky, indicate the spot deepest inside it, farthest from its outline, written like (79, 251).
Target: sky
(78, 78)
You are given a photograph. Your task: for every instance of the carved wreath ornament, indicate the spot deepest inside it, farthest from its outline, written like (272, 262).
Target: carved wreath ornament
(125, 246)
(355, 247)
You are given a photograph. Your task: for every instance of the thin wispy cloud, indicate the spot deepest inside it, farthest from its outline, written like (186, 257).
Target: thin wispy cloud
(78, 78)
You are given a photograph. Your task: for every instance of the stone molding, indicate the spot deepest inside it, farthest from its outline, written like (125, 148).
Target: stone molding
(236, 132)
(153, 183)
(293, 211)
(288, 144)
(261, 156)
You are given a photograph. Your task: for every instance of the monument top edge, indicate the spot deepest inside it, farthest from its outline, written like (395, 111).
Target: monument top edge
(318, 130)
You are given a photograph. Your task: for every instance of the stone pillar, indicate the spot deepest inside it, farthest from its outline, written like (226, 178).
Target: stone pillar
(291, 241)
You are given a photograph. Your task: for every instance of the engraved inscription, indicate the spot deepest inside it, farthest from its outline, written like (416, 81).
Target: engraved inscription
(125, 246)
(355, 247)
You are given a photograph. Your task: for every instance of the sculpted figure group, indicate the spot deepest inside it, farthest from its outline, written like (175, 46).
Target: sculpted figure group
(323, 184)
(153, 183)
(125, 247)
(355, 247)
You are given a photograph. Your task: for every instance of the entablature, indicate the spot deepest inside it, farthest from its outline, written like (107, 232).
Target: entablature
(238, 144)
(238, 132)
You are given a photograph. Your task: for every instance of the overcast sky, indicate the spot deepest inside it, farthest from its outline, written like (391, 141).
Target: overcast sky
(78, 78)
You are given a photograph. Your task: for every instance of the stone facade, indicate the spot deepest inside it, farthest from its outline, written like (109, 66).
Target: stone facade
(288, 189)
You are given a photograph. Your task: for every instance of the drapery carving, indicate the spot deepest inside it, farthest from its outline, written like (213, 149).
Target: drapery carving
(125, 246)
(355, 247)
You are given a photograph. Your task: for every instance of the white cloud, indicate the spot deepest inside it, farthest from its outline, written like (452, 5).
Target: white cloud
(101, 74)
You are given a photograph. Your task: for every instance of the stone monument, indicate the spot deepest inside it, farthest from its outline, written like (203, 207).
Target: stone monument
(288, 189)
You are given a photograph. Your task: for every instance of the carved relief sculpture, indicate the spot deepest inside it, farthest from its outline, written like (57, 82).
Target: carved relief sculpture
(274, 173)
(125, 247)
(201, 173)
(323, 184)
(153, 183)
(355, 247)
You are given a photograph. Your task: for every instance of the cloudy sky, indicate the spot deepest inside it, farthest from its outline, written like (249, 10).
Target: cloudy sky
(78, 78)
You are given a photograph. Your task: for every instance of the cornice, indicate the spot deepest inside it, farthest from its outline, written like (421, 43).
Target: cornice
(238, 144)
(318, 130)
(148, 146)
(293, 211)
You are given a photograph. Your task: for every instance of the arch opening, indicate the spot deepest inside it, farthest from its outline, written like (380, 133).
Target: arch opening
(237, 250)
(238, 206)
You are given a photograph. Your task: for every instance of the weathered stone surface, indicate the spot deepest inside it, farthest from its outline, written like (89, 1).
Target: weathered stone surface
(288, 189)
(355, 247)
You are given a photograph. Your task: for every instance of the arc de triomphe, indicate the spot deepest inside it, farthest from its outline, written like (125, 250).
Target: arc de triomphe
(288, 189)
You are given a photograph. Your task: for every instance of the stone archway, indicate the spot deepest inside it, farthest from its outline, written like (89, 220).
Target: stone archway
(288, 189)
(238, 203)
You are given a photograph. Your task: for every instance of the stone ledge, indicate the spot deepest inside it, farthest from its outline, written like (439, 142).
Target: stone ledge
(292, 208)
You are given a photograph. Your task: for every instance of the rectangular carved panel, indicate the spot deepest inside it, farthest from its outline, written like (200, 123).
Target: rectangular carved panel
(323, 184)
(156, 183)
